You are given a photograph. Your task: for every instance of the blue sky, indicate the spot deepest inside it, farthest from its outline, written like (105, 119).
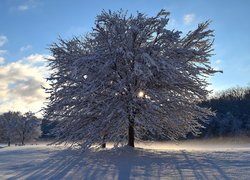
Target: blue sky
(27, 27)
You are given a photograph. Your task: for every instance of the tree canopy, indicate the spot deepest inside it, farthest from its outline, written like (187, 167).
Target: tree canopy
(17, 127)
(130, 76)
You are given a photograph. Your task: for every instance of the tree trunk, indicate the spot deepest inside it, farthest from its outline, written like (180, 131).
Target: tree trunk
(103, 142)
(104, 145)
(131, 133)
(23, 141)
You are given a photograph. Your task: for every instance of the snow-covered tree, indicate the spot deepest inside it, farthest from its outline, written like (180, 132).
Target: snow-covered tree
(16, 127)
(130, 76)
(8, 126)
(28, 127)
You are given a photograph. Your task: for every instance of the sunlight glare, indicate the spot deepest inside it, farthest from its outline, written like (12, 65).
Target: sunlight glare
(141, 94)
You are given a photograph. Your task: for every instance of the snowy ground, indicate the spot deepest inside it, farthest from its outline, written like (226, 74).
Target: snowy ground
(186, 160)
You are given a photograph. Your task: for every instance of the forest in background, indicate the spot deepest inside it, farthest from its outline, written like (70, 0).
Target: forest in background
(232, 108)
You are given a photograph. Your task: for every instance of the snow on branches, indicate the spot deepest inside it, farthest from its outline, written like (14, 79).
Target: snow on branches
(15, 127)
(130, 77)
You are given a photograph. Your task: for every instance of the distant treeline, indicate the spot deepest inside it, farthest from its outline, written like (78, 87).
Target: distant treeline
(19, 128)
(232, 109)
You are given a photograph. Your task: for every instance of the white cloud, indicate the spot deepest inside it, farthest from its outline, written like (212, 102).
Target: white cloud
(23, 7)
(2, 60)
(29, 4)
(25, 48)
(217, 64)
(3, 40)
(2, 52)
(36, 58)
(188, 19)
(218, 61)
(20, 86)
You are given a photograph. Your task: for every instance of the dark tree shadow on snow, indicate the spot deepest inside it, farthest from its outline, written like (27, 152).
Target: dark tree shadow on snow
(124, 163)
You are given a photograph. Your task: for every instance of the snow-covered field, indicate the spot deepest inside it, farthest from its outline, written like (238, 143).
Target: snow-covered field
(185, 160)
